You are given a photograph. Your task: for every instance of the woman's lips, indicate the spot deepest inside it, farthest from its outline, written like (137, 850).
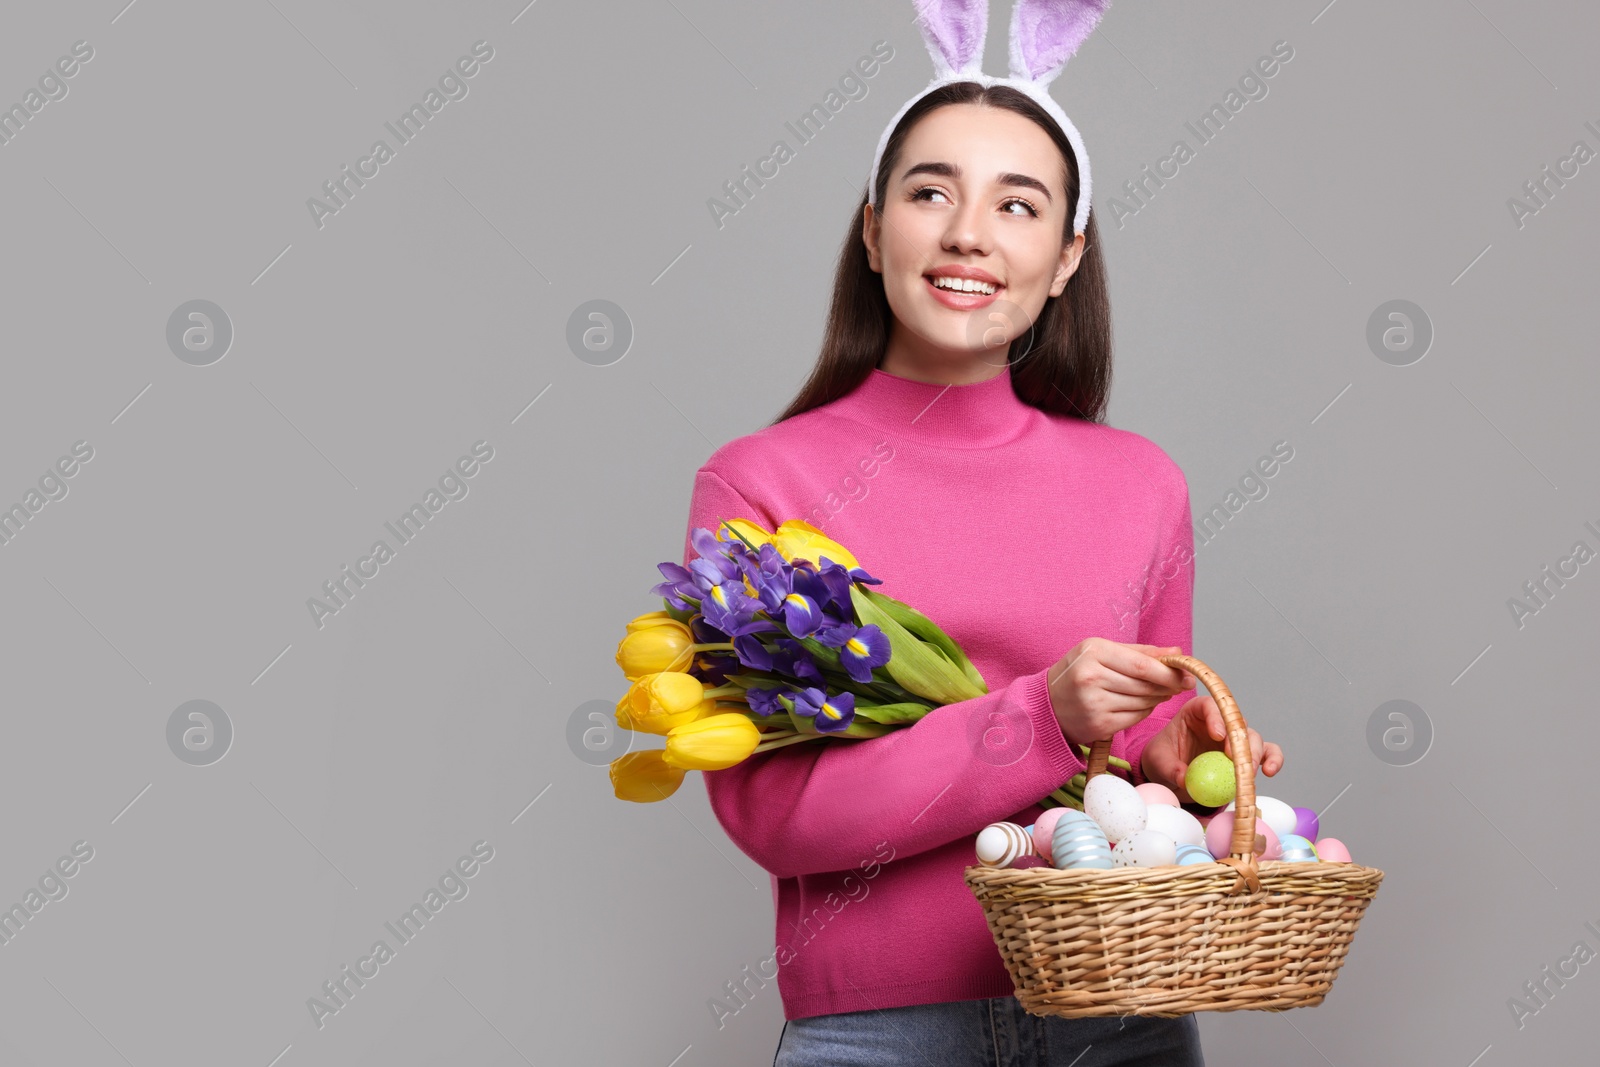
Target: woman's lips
(960, 301)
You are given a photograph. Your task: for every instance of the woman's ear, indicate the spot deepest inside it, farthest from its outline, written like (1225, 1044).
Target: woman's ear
(1071, 256)
(871, 229)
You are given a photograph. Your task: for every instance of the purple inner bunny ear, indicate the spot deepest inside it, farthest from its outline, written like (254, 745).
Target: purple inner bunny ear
(1046, 33)
(954, 32)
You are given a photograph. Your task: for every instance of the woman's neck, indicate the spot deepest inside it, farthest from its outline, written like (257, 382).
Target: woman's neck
(937, 366)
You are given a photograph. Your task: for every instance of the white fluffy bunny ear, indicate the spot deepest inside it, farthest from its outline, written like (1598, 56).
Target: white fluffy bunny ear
(1047, 33)
(954, 31)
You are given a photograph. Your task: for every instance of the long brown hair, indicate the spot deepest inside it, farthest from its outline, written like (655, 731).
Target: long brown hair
(1067, 369)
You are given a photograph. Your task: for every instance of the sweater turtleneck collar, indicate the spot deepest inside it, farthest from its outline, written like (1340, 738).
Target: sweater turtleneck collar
(975, 415)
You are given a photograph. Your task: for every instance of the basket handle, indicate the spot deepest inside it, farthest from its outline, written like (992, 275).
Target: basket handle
(1241, 849)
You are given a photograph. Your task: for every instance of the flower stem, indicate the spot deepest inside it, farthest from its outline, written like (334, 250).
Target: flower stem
(768, 746)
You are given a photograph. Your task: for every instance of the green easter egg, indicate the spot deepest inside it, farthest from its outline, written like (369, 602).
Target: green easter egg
(1210, 779)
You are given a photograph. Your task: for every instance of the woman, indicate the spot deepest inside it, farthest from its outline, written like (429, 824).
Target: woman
(960, 455)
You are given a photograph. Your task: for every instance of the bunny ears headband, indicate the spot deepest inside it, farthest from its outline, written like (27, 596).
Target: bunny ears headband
(1044, 35)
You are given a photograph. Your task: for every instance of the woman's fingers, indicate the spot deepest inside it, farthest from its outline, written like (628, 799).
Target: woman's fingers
(1134, 670)
(1272, 762)
(1258, 750)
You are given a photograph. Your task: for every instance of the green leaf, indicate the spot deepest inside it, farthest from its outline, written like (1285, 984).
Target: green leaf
(922, 626)
(892, 713)
(863, 729)
(918, 666)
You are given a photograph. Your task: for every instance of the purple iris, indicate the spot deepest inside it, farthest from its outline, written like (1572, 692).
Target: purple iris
(765, 701)
(717, 563)
(830, 714)
(679, 587)
(739, 592)
(860, 648)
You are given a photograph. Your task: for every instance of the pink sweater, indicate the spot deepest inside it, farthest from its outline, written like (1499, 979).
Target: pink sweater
(1021, 533)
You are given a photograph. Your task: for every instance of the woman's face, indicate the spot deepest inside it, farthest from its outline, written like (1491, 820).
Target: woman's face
(980, 188)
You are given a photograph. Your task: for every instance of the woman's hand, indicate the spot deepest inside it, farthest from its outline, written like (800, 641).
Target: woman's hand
(1198, 728)
(1102, 686)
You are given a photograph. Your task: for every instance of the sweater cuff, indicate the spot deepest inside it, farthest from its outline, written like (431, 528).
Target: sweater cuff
(1034, 692)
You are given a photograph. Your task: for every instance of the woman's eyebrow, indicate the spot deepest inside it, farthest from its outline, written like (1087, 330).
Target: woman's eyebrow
(953, 172)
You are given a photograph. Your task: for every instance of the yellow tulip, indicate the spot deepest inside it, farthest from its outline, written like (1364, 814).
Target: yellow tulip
(712, 743)
(656, 642)
(659, 701)
(643, 777)
(798, 539)
(746, 529)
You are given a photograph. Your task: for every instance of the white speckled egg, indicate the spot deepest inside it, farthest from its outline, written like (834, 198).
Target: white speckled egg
(1145, 848)
(1000, 844)
(1115, 805)
(1175, 823)
(1077, 842)
(1275, 813)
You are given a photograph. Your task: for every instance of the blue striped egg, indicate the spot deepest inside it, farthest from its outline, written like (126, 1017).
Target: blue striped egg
(1078, 843)
(1297, 849)
(1189, 855)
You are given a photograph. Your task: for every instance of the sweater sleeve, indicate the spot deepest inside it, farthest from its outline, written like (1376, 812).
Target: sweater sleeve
(1166, 619)
(827, 805)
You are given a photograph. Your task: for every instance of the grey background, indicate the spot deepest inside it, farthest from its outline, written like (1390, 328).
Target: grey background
(433, 711)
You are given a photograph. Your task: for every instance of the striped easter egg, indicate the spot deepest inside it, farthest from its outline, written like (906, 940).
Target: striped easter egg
(1188, 855)
(1000, 844)
(1297, 849)
(1078, 843)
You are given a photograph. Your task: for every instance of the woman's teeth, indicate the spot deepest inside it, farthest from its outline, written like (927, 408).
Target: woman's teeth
(963, 285)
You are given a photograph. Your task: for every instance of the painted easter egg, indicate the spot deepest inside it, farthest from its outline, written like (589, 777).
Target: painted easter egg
(1306, 823)
(1219, 836)
(1274, 849)
(1297, 849)
(1078, 842)
(1210, 779)
(1002, 843)
(1332, 850)
(1044, 828)
(1189, 855)
(1156, 793)
(1175, 823)
(1115, 805)
(1274, 813)
(1145, 848)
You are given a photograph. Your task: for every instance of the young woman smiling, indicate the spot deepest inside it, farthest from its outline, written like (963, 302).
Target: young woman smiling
(1017, 520)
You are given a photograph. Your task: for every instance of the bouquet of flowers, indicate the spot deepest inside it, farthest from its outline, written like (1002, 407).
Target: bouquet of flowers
(774, 638)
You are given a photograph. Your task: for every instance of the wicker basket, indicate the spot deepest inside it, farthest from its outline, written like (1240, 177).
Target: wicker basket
(1166, 941)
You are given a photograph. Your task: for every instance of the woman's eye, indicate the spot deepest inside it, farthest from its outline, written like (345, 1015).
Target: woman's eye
(927, 192)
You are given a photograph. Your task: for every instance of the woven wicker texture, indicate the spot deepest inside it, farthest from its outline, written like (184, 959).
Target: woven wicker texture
(1237, 934)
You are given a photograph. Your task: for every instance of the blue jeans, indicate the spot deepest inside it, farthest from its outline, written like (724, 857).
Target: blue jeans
(994, 1032)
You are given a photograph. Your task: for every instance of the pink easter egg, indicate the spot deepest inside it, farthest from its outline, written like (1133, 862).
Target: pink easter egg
(1274, 848)
(1332, 850)
(1219, 831)
(1156, 793)
(1219, 836)
(1044, 828)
